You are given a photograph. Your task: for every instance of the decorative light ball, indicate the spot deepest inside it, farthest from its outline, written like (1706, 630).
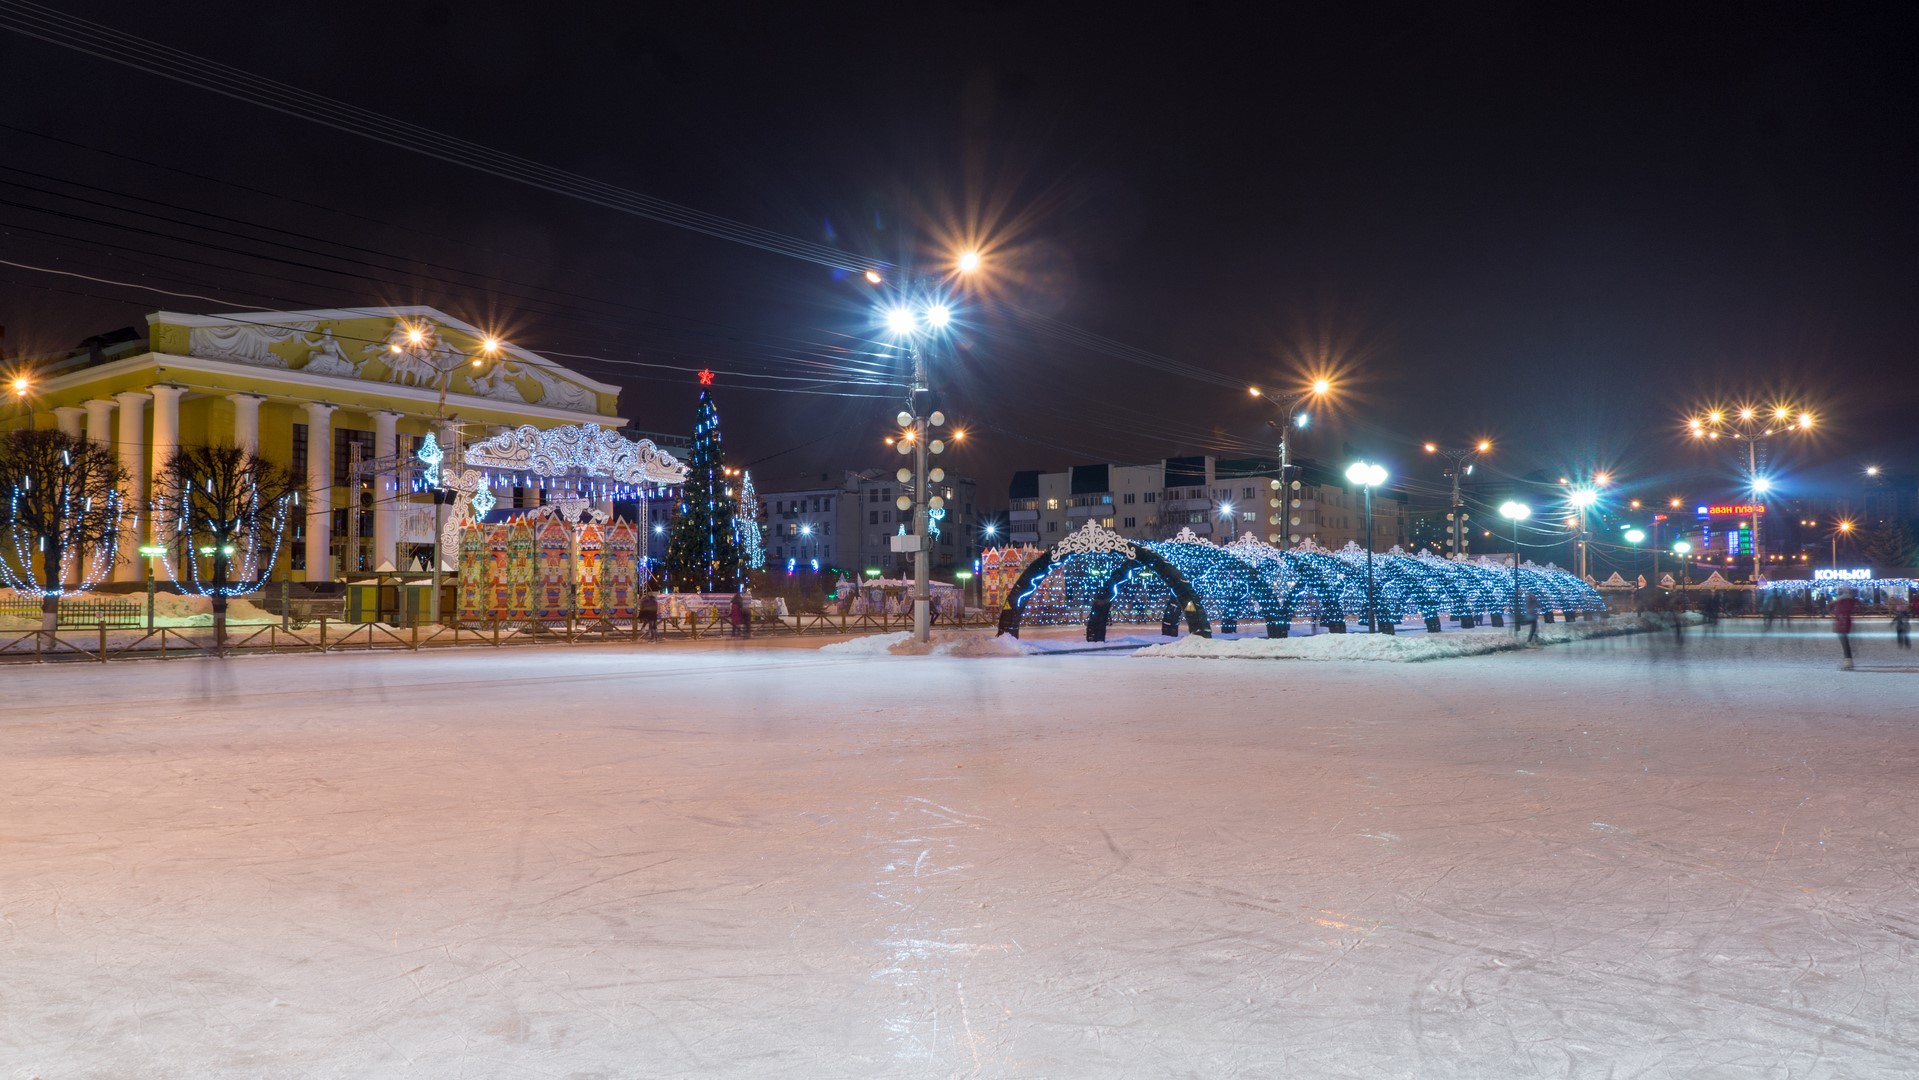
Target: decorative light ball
(1295, 485)
(936, 447)
(1295, 538)
(1296, 504)
(905, 475)
(905, 418)
(1272, 519)
(936, 502)
(903, 446)
(903, 503)
(936, 475)
(1274, 503)
(1295, 521)
(937, 418)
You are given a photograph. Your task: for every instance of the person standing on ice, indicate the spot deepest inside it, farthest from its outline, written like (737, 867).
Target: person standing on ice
(1899, 602)
(1532, 616)
(1842, 609)
(650, 615)
(737, 615)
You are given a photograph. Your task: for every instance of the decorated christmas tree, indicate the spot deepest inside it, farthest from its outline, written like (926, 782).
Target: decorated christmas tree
(703, 552)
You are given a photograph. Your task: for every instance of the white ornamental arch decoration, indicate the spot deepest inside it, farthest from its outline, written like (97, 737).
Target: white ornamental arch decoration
(1093, 537)
(581, 449)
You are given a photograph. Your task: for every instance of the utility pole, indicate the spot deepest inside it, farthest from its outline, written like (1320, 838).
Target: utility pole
(1458, 463)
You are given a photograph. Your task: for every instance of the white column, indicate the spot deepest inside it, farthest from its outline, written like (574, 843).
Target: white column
(246, 421)
(100, 421)
(386, 492)
(131, 448)
(319, 465)
(69, 417)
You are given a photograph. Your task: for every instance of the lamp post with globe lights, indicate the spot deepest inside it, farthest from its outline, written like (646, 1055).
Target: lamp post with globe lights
(1683, 549)
(1515, 512)
(1284, 486)
(1842, 527)
(1755, 427)
(1459, 461)
(919, 315)
(1368, 476)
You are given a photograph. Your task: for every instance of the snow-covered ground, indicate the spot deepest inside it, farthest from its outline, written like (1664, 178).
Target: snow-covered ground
(1613, 858)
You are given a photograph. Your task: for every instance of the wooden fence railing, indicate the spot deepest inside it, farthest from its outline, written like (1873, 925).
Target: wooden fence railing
(102, 642)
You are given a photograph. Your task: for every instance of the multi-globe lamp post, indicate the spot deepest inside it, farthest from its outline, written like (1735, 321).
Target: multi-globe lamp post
(1842, 527)
(1755, 427)
(919, 315)
(1459, 462)
(1635, 537)
(1515, 512)
(1683, 549)
(1285, 489)
(1368, 476)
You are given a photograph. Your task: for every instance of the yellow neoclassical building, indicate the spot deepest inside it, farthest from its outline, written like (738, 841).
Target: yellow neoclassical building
(342, 395)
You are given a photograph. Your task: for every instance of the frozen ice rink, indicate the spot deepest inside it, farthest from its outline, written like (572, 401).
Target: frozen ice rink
(1602, 859)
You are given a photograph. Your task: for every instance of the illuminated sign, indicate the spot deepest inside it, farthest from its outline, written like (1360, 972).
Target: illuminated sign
(1731, 510)
(1842, 575)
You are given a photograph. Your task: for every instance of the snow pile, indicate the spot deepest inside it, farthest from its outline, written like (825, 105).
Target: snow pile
(1407, 648)
(943, 643)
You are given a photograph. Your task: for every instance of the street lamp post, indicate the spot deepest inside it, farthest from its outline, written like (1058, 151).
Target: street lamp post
(1682, 549)
(1515, 512)
(1284, 503)
(1635, 537)
(1368, 476)
(1457, 464)
(1582, 500)
(1842, 526)
(1749, 425)
(921, 310)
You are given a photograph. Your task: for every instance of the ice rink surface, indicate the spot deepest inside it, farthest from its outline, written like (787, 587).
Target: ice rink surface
(1612, 859)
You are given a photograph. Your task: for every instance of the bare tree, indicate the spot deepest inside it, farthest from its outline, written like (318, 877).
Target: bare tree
(225, 511)
(60, 504)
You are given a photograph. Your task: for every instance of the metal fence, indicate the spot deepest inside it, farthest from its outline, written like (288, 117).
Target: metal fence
(112, 613)
(104, 642)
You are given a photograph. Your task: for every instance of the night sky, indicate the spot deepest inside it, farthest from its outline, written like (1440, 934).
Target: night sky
(1563, 230)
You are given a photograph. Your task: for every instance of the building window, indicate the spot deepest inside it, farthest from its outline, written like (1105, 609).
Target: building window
(1129, 523)
(1129, 498)
(1152, 496)
(873, 516)
(1052, 526)
(886, 517)
(1052, 504)
(300, 462)
(1248, 515)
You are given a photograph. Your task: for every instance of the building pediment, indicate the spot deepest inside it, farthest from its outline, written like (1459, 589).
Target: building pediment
(409, 346)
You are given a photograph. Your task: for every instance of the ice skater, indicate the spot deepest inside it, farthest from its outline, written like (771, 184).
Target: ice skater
(1842, 608)
(741, 619)
(650, 615)
(1900, 603)
(1532, 617)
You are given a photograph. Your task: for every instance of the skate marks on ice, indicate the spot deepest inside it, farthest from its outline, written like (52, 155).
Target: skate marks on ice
(927, 951)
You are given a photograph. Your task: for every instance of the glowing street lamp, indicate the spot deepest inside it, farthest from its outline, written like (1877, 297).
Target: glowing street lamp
(1368, 476)
(1515, 512)
(1753, 428)
(1458, 463)
(1581, 500)
(1842, 526)
(1682, 549)
(917, 314)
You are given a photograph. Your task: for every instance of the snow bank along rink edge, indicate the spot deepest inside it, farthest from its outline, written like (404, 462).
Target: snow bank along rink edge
(1405, 647)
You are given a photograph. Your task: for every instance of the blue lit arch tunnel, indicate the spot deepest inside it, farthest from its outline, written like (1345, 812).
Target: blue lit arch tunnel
(1248, 581)
(1061, 589)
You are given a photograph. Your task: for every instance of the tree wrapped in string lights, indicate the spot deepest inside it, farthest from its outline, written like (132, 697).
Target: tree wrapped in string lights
(703, 551)
(746, 520)
(63, 508)
(222, 511)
